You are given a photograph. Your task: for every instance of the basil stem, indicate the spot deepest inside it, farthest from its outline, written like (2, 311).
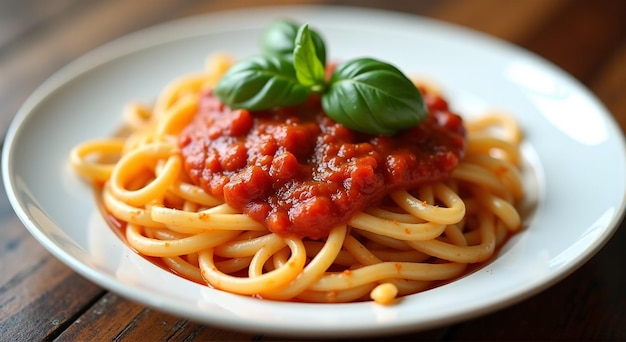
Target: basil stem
(279, 39)
(259, 83)
(309, 69)
(373, 97)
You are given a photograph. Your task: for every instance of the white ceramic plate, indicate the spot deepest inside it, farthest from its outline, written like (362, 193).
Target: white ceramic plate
(574, 155)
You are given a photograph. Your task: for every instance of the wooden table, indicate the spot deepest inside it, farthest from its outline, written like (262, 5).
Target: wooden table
(42, 299)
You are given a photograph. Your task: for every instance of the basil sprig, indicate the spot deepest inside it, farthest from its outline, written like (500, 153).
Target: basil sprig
(309, 68)
(261, 82)
(364, 94)
(280, 36)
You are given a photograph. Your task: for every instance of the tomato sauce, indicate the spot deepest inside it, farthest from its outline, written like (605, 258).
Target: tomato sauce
(299, 172)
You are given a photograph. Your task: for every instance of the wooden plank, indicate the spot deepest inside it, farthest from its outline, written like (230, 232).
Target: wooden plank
(426, 335)
(20, 248)
(54, 295)
(610, 85)
(511, 20)
(199, 7)
(18, 19)
(114, 318)
(35, 288)
(583, 35)
(105, 320)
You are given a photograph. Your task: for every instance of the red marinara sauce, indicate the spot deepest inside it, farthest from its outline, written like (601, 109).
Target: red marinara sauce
(299, 172)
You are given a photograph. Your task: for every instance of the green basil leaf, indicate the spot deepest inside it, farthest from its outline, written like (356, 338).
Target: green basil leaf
(279, 39)
(373, 97)
(259, 83)
(309, 69)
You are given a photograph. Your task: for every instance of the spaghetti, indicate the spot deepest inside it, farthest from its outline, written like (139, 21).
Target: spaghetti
(410, 241)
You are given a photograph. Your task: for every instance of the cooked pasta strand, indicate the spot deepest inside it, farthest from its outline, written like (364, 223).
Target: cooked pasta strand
(409, 242)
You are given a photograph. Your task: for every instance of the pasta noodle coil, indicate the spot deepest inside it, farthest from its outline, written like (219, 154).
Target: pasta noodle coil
(416, 239)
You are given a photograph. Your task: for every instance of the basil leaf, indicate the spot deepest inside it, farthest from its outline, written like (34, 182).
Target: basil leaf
(279, 39)
(260, 83)
(373, 97)
(309, 69)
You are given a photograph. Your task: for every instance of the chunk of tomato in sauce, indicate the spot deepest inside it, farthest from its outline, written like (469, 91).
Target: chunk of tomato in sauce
(300, 173)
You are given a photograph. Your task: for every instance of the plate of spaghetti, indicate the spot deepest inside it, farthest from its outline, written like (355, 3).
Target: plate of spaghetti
(294, 171)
